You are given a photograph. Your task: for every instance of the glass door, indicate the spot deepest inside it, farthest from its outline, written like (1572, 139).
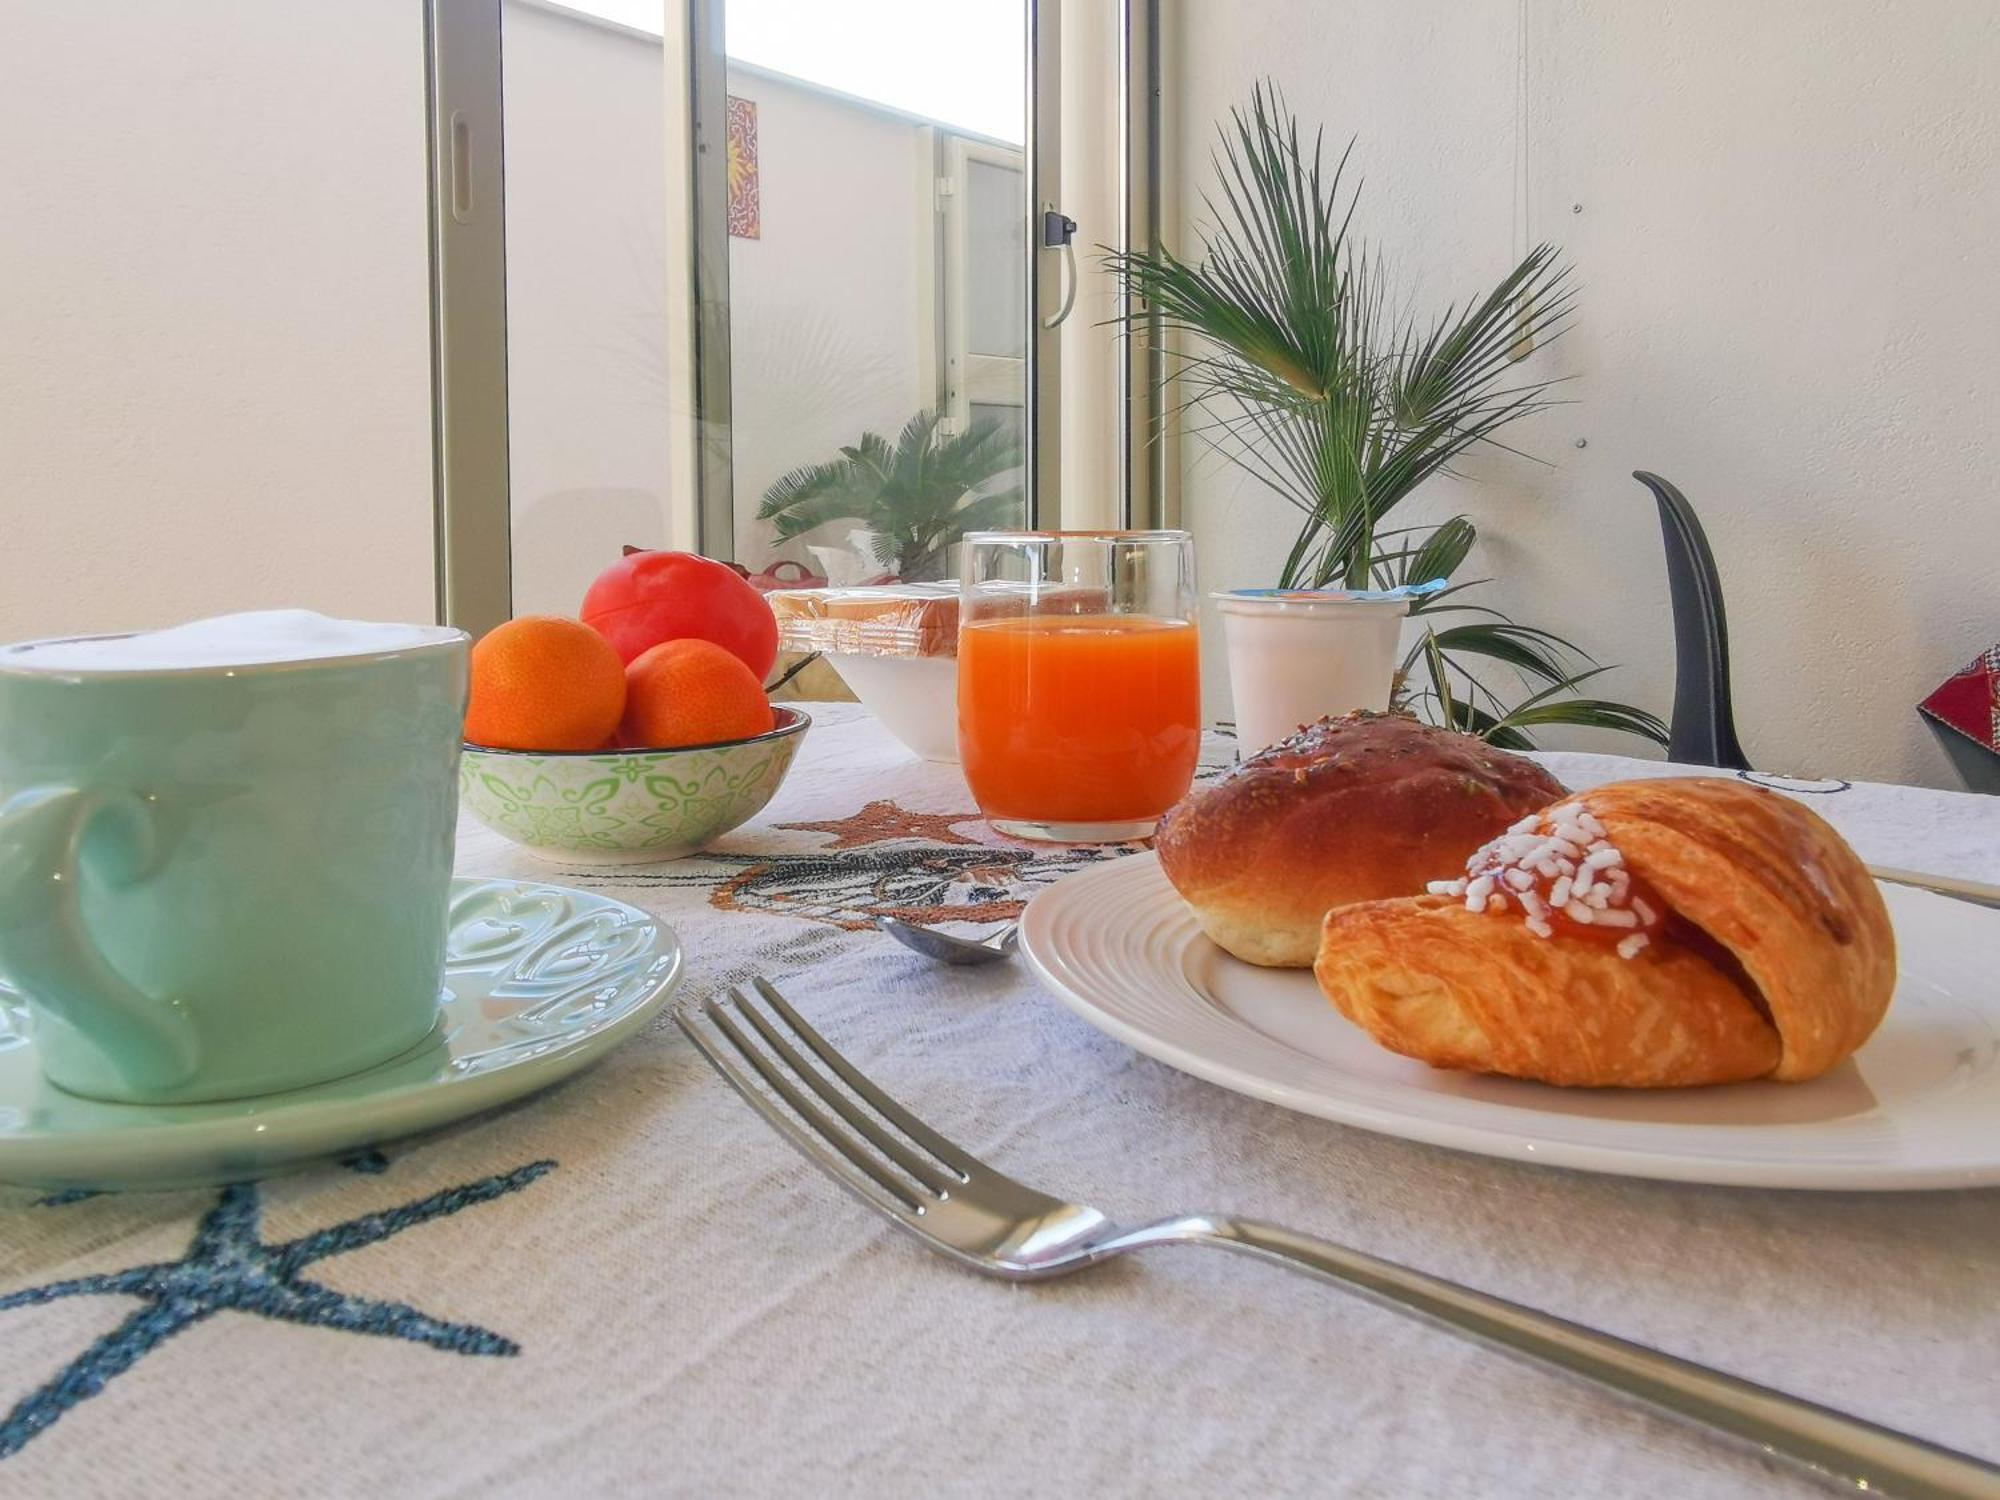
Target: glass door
(877, 265)
(591, 364)
(754, 277)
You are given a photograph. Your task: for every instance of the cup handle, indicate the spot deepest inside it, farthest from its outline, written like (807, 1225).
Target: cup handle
(47, 833)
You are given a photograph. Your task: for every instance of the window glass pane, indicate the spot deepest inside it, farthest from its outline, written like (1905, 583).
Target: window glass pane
(587, 361)
(1013, 421)
(877, 267)
(997, 288)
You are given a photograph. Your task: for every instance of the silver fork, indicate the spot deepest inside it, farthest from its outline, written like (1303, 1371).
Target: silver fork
(961, 1207)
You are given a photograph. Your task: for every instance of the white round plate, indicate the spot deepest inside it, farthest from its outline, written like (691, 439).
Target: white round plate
(539, 981)
(1918, 1107)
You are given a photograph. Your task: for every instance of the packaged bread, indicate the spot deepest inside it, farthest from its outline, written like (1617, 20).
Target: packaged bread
(907, 619)
(890, 619)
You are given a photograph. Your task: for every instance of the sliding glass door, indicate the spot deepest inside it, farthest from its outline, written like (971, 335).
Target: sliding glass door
(767, 286)
(590, 359)
(877, 246)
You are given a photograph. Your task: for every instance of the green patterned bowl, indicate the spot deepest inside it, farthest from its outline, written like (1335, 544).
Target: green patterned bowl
(626, 807)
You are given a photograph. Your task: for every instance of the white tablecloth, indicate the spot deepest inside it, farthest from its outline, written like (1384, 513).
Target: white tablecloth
(643, 1291)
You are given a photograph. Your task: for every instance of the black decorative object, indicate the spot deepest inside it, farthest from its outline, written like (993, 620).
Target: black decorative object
(1703, 729)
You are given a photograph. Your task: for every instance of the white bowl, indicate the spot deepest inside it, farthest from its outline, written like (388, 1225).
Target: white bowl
(915, 697)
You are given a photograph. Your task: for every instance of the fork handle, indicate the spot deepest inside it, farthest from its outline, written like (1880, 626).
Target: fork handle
(1829, 1442)
(1976, 891)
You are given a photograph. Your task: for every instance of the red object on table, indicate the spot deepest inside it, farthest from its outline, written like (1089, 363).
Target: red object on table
(1969, 701)
(1964, 713)
(648, 597)
(775, 577)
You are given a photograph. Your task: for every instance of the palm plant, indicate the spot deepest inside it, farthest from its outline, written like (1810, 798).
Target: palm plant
(1297, 368)
(915, 499)
(1436, 677)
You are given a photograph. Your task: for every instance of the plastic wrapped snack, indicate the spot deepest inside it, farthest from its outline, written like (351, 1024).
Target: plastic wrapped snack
(895, 645)
(893, 619)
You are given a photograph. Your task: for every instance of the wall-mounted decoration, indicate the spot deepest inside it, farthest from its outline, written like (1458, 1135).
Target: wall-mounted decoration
(746, 214)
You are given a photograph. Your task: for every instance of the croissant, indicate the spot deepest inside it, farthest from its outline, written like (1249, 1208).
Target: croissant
(1647, 934)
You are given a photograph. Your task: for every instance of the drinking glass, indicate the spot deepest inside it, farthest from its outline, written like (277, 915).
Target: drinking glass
(1079, 680)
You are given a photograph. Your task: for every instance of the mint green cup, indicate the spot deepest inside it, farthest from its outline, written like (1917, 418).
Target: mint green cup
(224, 881)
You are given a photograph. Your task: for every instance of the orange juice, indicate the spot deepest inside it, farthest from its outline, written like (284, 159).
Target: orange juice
(1078, 718)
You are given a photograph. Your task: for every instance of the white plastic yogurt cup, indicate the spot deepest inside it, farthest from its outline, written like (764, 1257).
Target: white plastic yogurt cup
(1295, 655)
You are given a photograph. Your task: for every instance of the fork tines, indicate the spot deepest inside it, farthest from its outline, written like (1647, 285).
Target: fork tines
(881, 1152)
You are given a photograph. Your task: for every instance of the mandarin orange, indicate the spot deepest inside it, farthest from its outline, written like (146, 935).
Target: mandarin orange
(544, 682)
(691, 692)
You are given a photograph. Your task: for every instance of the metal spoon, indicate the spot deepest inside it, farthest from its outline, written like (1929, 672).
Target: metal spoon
(945, 948)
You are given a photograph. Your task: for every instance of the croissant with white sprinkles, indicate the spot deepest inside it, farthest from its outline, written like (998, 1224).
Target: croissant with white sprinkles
(1648, 934)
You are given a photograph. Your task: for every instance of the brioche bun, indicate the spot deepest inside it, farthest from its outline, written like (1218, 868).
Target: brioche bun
(1358, 808)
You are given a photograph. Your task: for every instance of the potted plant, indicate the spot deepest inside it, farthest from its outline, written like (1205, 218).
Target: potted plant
(1308, 376)
(913, 500)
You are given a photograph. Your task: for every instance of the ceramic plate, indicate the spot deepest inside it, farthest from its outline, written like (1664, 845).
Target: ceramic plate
(539, 980)
(1918, 1107)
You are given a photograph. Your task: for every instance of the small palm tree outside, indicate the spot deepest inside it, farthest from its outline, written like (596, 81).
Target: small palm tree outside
(916, 498)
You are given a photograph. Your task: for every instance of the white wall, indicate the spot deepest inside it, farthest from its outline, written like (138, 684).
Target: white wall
(1786, 247)
(214, 356)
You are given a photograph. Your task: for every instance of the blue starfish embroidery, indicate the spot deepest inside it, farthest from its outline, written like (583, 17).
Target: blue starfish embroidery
(68, 1196)
(229, 1267)
(373, 1161)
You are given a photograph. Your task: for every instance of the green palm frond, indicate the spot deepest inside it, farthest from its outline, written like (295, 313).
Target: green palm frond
(1593, 713)
(1425, 556)
(1295, 363)
(1520, 646)
(802, 486)
(1559, 704)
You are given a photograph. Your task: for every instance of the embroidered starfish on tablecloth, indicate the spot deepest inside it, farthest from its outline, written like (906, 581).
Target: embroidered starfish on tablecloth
(370, 1161)
(882, 820)
(229, 1268)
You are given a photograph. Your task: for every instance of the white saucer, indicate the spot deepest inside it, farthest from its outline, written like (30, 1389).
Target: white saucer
(1918, 1107)
(539, 981)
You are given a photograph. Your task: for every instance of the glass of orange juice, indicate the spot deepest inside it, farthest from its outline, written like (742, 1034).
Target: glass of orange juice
(1079, 680)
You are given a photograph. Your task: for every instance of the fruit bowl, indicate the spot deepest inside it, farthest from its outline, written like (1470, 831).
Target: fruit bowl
(622, 807)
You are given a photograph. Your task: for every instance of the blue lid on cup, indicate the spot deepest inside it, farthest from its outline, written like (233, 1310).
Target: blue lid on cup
(1401, 593)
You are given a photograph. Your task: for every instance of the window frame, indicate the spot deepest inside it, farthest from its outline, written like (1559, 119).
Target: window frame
(472, 547)
(969, 378)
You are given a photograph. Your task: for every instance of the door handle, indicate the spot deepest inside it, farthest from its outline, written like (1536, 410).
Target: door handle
(1059, 232)
(461, 168)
